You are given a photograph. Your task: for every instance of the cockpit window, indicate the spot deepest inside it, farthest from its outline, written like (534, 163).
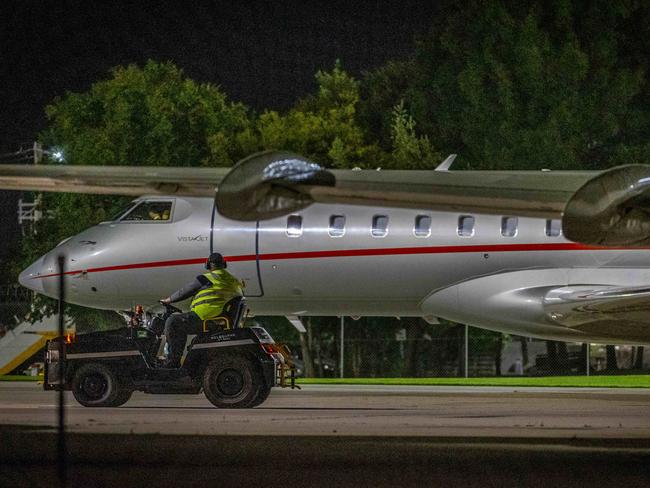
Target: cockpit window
(150, 212)
(123, 211)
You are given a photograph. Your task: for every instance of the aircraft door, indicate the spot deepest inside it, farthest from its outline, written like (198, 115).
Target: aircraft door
(237, 241)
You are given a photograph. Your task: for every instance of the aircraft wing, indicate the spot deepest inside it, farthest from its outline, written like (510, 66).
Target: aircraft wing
(609, 208)
(274, 184)
(112, 180)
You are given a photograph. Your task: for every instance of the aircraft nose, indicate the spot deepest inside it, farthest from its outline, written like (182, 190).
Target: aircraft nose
(31, 276)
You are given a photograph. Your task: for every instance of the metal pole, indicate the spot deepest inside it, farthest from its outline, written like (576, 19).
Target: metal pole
(466, 352)
(588, 354)
(38, 152)
(341, 359)
(61, 444)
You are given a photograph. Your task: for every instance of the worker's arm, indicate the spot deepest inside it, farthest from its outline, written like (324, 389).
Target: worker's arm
(188, 290)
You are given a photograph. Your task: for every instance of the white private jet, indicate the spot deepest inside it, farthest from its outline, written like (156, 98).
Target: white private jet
(549, 254)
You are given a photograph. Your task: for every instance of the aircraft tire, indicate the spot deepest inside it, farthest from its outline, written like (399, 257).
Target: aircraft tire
(231, 382)
(97, 385)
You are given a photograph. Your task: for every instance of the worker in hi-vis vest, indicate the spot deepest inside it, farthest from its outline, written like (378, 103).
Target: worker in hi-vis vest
(211, 290)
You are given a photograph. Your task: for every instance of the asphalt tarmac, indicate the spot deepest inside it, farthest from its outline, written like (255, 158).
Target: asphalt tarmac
(357, 410)
(337, 436)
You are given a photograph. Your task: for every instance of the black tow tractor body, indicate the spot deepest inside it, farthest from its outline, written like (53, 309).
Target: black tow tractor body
(235, 367)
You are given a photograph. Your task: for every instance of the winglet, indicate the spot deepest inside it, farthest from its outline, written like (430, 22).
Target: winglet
(446, 164)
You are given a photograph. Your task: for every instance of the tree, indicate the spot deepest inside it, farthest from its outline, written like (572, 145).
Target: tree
(638, 358)
(306, 339)
(611, 362)
(382, 89)
(551, 355)
(410, 151)
(323, 126)
(525, 85)
(414, 331)
(151, 116)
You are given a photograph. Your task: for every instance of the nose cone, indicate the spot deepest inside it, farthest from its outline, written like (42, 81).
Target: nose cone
(31, 276)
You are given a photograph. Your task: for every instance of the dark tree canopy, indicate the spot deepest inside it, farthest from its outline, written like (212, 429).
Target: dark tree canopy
(153, 116)
(524, 85)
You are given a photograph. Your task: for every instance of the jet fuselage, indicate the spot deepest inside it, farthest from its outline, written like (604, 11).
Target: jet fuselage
(490, 271)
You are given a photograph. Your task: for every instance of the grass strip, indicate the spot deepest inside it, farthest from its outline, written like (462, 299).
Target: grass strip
(20, 377)
(613, 381)
(610, 381)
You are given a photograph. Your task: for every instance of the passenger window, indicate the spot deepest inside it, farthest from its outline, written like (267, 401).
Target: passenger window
(379, 226)
(149, 212)
(553, 228)
(337, 225)
(466, 226)
(509, 226)
(422, 226)
(294, 225)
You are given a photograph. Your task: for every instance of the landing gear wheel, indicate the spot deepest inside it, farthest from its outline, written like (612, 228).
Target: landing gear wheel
(97, 385)
(231, 382)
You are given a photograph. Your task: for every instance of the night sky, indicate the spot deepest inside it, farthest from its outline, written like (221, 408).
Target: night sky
(264, 54)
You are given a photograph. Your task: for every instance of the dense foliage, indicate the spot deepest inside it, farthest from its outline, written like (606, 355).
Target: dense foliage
(525, 85)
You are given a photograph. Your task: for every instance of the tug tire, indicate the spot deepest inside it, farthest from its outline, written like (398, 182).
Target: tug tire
(97, 385)
(262, 394)
(231, 382)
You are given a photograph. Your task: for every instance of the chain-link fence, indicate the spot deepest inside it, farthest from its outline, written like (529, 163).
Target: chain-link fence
(389, 347)
(384, 347)
(15, 303)
(19, 306)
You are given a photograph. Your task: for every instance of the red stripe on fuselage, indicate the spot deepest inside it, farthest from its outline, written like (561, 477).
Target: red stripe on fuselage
(427, 250)
(153, 264)
(353, 253)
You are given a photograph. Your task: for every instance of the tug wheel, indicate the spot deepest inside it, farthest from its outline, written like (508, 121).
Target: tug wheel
(262, 394)
(97, 385)
(231, 382)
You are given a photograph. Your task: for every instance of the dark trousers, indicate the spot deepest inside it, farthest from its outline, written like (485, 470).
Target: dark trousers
(177, 327)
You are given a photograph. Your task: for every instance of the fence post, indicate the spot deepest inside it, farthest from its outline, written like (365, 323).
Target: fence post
(466, 352)
(341, 359)
(587, 355)
(62, 455)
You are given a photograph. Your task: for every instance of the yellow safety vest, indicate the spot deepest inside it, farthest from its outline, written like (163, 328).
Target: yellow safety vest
(208, 303)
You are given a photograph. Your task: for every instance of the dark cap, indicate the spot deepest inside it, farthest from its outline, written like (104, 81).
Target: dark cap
(216, 260)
